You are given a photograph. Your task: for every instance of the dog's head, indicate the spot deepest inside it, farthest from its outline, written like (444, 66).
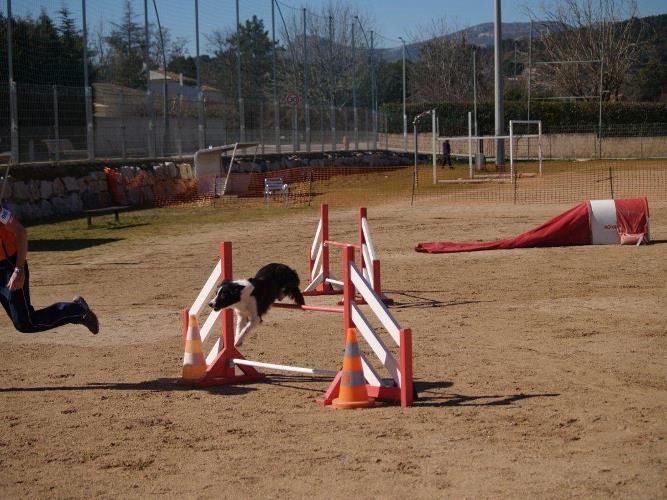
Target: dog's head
(229, 293)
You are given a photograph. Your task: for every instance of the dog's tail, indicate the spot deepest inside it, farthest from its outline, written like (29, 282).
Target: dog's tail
(295, 294)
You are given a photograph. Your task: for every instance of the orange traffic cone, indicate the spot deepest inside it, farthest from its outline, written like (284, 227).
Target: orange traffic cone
(352, 391)
(194, 364)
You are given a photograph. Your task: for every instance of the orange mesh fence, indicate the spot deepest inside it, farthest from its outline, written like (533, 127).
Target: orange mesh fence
(558, 182)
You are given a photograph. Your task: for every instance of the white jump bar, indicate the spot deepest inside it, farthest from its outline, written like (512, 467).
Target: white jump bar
(286, 368)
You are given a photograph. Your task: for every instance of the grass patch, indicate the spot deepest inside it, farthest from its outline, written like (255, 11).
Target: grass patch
(138, 224)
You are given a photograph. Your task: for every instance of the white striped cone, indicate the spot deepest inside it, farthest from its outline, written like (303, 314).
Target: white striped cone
(194, 364)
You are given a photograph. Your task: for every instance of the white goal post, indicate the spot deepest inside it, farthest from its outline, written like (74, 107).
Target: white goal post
(515, 138)
(521, 132)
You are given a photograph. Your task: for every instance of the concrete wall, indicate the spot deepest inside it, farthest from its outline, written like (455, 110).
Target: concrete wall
(554, 146)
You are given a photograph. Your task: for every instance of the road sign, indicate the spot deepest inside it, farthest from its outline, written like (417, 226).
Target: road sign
(292, 99)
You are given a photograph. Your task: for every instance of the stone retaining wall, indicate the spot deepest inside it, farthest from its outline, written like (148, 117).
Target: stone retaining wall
(34, 200)
(32, 196)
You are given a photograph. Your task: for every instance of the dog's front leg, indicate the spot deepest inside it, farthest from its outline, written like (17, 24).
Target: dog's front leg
(252, 319)
(252, 323)
(240, 322)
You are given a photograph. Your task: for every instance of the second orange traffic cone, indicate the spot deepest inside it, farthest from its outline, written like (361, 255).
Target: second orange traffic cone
(352, 391)
(194, 364)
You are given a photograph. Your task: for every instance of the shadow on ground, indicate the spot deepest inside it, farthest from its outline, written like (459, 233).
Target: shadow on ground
(428, 395)
(158, 385)
(49, 245)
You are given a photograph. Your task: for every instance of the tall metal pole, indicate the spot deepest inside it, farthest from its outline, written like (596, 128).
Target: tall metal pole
(332, 97)
(601, 67)
(276, 108)
(149, 93)
(305, 84)
(405, 115)
(88, 95)
(10, 61)
(13, 106)
(530, 64)
(201, 132)
(165, 119)
(514, 84)
(474, 86)
(498, 88)
(373, 101)
(238, 74)
(354, 88)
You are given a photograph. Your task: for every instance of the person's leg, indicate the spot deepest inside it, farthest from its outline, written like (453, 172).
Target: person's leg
(28, 320)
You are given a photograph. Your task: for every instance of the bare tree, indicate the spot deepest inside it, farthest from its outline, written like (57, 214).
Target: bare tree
(443, 71)
(583, 37)
(329, 54)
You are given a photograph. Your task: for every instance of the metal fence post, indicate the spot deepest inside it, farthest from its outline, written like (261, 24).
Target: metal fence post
(90, 128)
(56, 124)
(276, 125)
(322, 128)
(123, 138)
(201, 120)
(295, 132)
(386, 133)
(179, 122)
(332, 119)
(151, 123)
(261, 124)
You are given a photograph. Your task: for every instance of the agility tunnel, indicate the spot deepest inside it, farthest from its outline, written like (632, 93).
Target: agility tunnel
(593, 222)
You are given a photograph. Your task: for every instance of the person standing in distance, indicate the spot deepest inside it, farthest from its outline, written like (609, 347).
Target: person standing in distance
(15, 290)
(446, 154)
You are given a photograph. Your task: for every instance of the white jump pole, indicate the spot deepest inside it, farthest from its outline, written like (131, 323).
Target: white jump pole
(285, 368)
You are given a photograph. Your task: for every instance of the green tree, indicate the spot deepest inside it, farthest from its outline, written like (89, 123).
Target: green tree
(256, 62)
(125, 55)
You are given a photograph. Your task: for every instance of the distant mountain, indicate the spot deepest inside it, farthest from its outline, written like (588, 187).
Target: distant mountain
(480, 35)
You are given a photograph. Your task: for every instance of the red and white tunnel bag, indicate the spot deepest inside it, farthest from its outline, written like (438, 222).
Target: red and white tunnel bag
(623, 221)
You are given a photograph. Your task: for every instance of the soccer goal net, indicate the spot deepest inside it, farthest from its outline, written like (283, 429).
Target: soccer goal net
(525, 144)
(522, 144)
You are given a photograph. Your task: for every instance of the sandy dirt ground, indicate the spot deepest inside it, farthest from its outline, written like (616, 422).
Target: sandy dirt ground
(541, 372)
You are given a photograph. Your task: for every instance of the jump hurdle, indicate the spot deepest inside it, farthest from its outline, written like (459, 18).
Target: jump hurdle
(224, 359)
(322, 282)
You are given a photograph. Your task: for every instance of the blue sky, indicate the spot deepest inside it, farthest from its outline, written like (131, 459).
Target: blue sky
(392, 18)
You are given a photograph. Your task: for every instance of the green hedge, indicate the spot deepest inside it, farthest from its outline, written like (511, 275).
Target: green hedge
(555, 116)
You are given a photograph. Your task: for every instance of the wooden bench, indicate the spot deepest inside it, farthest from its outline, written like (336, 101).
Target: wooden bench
(275, 185)
(62, 148)
(104, 211)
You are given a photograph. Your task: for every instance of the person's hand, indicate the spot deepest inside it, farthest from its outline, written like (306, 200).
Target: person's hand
(16, 281)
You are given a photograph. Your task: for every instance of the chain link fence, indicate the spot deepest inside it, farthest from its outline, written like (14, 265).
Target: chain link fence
(147, 79)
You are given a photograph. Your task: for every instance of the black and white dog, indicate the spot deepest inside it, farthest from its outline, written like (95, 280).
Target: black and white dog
(252, 298)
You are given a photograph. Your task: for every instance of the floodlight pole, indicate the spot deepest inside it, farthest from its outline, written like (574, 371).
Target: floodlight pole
(276, 107)
(498, 80)
(354, 87)
(90, 137)
(13, 105)
(201, 133)
(239, 83)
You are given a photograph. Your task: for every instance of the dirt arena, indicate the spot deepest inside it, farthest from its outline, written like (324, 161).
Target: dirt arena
(540, 372)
